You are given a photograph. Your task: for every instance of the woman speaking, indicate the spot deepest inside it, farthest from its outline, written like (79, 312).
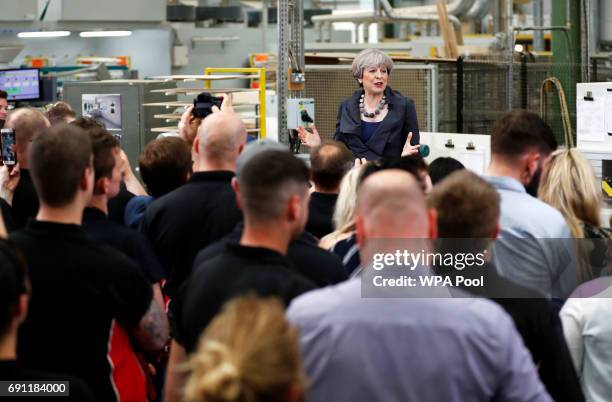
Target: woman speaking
(376, 121)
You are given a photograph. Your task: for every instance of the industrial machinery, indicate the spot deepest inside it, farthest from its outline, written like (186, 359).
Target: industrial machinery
(473, 150)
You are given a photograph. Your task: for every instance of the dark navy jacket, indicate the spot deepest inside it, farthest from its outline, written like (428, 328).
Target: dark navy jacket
(389, 138)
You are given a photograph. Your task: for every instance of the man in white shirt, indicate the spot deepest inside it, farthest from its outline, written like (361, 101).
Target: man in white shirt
(588, 331)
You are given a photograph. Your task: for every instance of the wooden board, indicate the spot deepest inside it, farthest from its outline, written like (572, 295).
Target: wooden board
(212, 77)
(174, 129)
(177, 116)
(176, 104)
(172, 91)
(448, 33)
(168, 104)
(348, 57)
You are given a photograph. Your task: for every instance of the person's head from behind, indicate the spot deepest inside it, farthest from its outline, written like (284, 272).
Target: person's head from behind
(329, 162)
(59, 112)
(220, 140)
(28, 123)
(442, 167)
(569, 185)
(272, 191)
(391, 204)
(165, 164)
(467, 207)
(62, 167)
(249, 352)
(106, 158)
(520, 145)
(3, 105)
(413, 164)
(14, 289)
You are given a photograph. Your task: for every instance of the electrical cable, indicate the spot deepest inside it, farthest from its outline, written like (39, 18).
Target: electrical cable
(565, 117)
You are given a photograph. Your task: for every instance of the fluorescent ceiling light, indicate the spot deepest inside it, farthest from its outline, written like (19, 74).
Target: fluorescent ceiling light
(43, 34)
(104, 34)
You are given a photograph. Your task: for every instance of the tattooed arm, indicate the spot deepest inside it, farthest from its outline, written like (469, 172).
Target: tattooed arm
(152, 331)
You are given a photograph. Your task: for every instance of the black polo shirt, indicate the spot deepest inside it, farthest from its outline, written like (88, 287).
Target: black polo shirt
(81, 291)
(25, 199)
(321, 214)
(237, 270)
(12, 370)
(117, 204)
(182, 222)
(128, 241)
(7, 215)
(319, 265)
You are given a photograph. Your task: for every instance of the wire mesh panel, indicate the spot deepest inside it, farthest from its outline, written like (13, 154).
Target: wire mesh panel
(484, 94)
(468, 96)
(447, 97)
(330, 85)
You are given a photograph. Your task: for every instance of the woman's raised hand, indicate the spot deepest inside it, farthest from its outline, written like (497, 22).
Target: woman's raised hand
(310, 139)
(410, 149)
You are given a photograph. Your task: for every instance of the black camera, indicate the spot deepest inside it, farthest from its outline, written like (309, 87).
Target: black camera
(203, 103)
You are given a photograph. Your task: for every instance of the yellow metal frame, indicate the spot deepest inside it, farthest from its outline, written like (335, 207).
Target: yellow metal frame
(262, 89)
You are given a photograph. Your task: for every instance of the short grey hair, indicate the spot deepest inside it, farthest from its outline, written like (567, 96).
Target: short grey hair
(370, 58)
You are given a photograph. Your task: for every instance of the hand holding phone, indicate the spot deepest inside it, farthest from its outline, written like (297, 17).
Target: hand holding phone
(7, 137)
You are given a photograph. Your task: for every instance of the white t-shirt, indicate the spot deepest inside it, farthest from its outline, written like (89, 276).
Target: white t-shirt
(587, 325)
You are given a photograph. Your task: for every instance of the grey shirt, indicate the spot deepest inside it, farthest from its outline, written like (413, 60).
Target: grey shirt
(535, 246)
(410, 349)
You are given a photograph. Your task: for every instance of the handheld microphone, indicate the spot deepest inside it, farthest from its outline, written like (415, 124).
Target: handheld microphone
(424, 150)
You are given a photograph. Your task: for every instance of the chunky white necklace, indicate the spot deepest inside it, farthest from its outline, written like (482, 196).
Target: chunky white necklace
(379, 107)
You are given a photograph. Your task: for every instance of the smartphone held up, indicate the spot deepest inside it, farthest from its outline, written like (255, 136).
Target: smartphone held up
(7, 138)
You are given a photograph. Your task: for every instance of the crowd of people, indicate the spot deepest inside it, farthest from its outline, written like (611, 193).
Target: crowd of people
(240, 273)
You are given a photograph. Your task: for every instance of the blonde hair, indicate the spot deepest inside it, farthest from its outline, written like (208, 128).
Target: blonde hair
(248, 353)
(346, 205)
(569, 185)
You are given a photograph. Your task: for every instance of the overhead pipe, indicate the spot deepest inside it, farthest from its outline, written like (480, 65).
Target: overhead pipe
(394, 15)
(479, 10)
(456, 8)
(374, 19)
(426, 14)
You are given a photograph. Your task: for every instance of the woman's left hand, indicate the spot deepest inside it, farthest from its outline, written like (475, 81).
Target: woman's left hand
(410, 149)
(309, 139)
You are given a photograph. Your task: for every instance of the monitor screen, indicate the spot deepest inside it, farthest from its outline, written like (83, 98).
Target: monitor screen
(21, 84)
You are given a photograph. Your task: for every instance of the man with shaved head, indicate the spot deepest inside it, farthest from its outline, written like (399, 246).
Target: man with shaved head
(272, 190)
(28, 124)
(409, 345)
(203, 210)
